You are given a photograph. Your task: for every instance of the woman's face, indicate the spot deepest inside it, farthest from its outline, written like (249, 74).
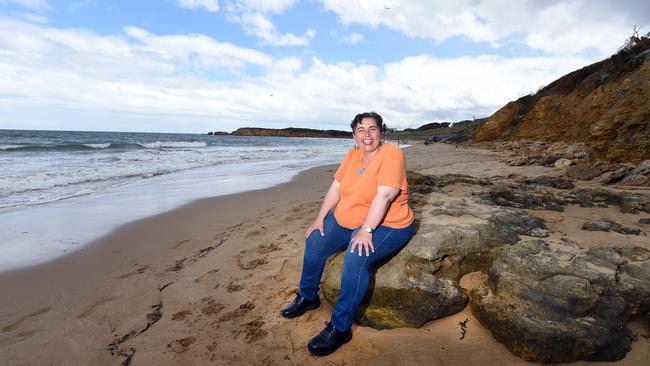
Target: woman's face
(367, 135)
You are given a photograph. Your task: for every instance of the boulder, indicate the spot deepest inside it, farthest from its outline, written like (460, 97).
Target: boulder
(635, 180)
(551, 301)
(642, 169)
(504, 193)
(583, 172)
(420, 283)
(613, 176)
(550, 160)
(555, 182)
(609, 225)
(523, 196)
(562, 163)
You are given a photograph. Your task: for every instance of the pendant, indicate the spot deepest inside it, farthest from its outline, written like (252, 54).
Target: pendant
(362, 170)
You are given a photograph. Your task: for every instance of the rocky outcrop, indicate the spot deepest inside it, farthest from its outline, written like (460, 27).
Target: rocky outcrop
(604, 105)
(421, 282)
(290, 132)
(574, 159)
(546, 299)
(551, 301)
(529, 196)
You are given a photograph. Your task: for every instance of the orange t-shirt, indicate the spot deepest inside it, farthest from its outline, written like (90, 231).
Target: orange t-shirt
(358, 186)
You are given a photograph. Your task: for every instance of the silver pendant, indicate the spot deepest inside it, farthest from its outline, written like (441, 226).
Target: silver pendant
(362, 170)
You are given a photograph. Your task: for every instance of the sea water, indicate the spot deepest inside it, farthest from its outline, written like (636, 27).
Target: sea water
(60, 190)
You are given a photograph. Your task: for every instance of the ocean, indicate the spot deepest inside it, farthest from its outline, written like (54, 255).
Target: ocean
(60, 190)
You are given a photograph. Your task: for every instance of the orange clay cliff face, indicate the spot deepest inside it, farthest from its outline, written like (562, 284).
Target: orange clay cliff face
(606, 105)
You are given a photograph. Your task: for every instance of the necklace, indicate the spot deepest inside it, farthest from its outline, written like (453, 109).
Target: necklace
(364, 161)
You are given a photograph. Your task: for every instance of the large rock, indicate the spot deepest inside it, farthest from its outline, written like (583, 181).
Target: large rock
(609, 225)
(504, 193)
(635, 180)
(562, 163)
(613, 176)
(642, 169)
(551, 301)
(421, 282)
(583, 171)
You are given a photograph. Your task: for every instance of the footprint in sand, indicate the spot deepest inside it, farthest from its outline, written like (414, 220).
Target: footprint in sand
(137, 271)
(206, 274)
(181, 315)
(251, 264)
(239, 312)
(252, 331)
(253, 233)
(268, 248)
(181, 345)
(94, 307)
(234, 287)
(211, 307)
(18, 322)
(18, 338)
(181, 243)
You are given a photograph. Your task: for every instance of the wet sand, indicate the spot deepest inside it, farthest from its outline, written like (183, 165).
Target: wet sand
(203, 284)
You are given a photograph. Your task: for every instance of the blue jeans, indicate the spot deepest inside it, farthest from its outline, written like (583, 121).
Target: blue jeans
(356, 274)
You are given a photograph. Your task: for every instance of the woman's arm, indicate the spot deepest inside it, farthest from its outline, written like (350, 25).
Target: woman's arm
(378, 207)
(329, 202)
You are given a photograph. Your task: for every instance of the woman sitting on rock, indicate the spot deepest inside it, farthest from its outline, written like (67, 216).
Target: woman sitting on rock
(364, 211)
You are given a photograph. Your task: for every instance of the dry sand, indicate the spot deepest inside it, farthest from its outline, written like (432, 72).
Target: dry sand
(203, 284)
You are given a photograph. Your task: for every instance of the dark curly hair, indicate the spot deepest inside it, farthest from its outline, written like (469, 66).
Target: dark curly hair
(373, 115)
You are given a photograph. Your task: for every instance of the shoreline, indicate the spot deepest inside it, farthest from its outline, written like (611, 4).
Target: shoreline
(203, 284)
(84, 280)
(94, 248)
(37, 233)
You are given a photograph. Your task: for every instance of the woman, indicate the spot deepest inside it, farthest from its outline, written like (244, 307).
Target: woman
(364, 211)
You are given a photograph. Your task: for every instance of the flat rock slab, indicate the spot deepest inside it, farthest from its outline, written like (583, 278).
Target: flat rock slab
(609, 225)
(550, 301)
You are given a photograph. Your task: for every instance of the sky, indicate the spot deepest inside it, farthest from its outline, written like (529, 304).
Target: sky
(205, 65)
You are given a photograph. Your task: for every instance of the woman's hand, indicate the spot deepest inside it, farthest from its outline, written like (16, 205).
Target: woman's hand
(362, 239)
(317, 224)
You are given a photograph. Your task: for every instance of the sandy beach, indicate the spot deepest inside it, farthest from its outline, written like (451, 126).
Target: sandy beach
(203, 284)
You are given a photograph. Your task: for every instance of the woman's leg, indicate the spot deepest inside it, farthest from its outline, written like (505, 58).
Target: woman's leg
(356, 275)
(317, 249)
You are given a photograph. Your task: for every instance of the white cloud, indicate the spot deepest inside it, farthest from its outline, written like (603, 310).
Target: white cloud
(259, 26)
(263, 6)
(352, 38)
(80, 4)
(197, 51)
(253, 15)
(209, 5)
(36, 18)
(557, 27)
(31, 4)
(72, 74)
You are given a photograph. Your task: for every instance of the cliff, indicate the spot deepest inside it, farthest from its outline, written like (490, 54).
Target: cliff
(290, 132)
(604, 105)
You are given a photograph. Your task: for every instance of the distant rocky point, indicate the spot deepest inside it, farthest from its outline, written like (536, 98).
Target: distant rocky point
(285, 132)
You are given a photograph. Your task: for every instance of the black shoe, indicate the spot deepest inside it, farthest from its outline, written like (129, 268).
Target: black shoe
(299, 306)
(328, 341)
